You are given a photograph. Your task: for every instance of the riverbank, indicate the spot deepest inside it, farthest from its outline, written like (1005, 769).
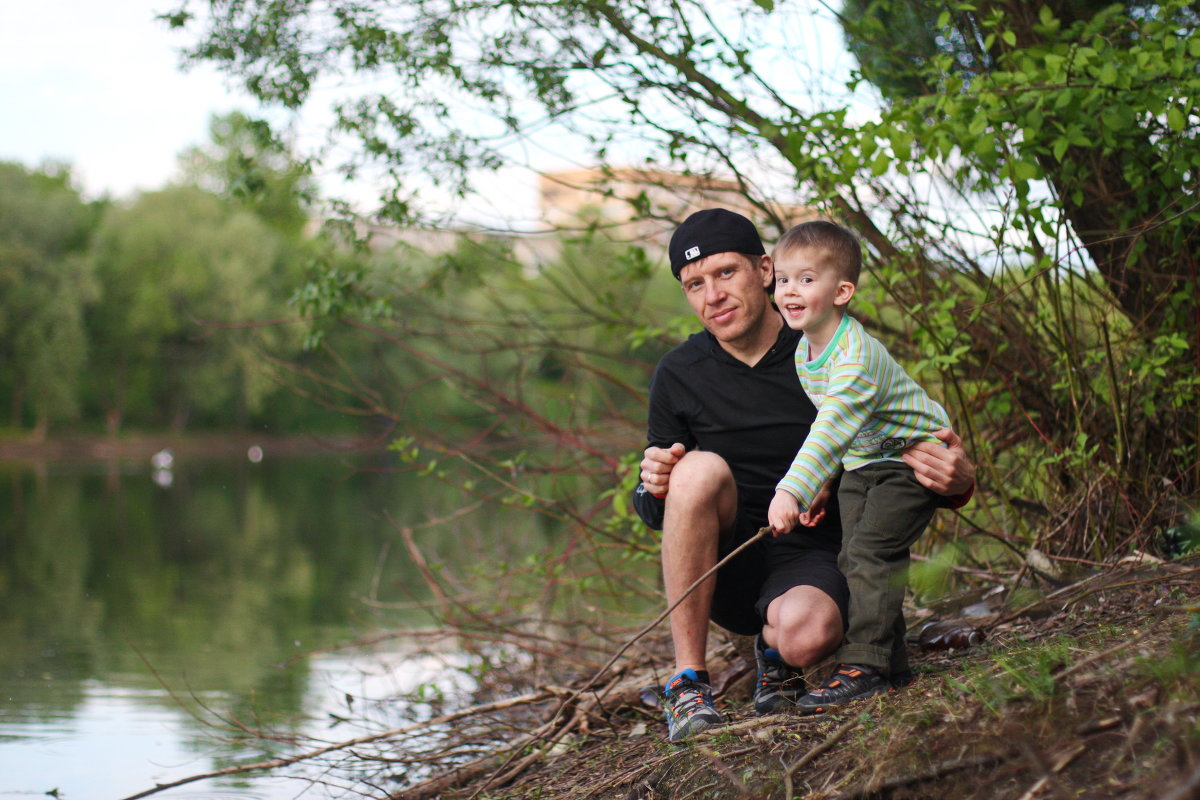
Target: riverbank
(142, 446)
(1090, 689)
(1092, 692)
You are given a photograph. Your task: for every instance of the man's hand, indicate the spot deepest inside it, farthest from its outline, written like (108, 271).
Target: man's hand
(944, 470)
(784, 512)
(816, 512)
(657, 465)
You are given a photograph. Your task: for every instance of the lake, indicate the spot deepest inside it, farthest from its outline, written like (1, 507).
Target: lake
(148, 614)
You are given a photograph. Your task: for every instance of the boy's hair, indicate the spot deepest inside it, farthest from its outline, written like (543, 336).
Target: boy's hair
(821, 234)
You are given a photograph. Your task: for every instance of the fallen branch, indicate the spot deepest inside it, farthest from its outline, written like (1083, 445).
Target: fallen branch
(499, 705)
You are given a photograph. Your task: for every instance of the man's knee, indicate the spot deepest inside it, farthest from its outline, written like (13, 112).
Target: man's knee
(700, 472)
(808, 625)
(702, 480)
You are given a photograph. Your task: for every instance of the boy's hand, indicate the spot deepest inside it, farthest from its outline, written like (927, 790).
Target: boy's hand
(784, 512)
(816, 512)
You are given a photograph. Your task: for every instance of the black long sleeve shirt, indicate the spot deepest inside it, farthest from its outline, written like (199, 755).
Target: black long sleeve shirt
(754, 417)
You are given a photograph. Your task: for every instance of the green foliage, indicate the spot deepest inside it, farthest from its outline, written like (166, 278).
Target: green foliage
(1022, 674)
(507, 381)
(162, 310)
(247, 164)
(1024, 183)
(1078, 112)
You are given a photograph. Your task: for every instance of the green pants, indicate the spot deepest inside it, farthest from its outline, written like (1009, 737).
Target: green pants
(884, 510)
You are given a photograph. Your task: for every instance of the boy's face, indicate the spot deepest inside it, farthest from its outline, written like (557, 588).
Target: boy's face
(810, 291)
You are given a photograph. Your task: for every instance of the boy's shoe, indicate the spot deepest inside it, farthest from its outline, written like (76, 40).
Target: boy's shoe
(899, 680)
(849, 682)
(779, 686)
(689, 707)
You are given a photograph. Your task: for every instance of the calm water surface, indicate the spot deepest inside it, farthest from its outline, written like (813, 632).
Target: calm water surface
(146, 614)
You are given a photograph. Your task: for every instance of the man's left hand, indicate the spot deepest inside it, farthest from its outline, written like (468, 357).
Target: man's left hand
(944, 470)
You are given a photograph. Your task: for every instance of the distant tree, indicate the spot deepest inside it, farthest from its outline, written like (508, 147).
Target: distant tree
(45, 286)
(183, 271)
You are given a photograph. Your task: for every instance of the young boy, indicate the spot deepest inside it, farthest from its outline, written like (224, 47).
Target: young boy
(869, 410)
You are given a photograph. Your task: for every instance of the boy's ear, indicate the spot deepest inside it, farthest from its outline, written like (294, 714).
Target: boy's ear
(845, 290)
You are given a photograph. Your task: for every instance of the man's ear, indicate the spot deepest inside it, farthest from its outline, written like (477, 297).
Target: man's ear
(845, 290)
(767, 266)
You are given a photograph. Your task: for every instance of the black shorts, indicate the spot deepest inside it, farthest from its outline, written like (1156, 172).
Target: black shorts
(773, 565)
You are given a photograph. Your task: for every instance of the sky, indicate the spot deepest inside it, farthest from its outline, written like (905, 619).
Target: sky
(97, 84)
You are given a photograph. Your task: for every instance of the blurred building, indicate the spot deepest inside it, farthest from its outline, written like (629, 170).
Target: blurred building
(640, 206)
(646, 205)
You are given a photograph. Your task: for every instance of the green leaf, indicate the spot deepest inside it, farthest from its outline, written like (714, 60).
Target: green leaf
(1026, 170)
(1108, 74)
(880, 164)
(1054, 65)
(978, 124)
(1175, 119)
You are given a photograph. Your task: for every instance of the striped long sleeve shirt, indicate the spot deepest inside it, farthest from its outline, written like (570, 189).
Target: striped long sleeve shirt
(868, 409)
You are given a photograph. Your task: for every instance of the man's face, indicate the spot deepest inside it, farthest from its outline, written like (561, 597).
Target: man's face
(728, 292)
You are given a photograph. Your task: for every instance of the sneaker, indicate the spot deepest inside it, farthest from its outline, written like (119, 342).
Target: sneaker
(849, 682)
(689, 706)
(899, 680)
(779, 686)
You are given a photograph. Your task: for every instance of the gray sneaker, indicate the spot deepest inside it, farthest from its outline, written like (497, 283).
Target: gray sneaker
(778, 686)
(689, 707)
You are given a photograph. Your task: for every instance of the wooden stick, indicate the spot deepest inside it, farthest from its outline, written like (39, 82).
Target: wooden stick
(815, 753)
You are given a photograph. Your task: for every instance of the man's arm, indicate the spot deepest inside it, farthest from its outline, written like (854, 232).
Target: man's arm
(944, 470)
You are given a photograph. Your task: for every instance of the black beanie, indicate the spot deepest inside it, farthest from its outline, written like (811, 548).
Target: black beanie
(713, 230)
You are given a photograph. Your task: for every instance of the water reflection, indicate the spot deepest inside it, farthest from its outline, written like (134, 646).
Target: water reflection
(136, 613)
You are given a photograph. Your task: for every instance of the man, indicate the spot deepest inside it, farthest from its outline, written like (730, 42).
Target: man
(727, 415)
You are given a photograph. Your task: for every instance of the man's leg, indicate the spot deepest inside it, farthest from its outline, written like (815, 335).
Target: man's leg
(804, 624)
(701, 505)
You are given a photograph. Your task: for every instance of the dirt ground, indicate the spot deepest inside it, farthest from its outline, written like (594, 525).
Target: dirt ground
(1092, 692)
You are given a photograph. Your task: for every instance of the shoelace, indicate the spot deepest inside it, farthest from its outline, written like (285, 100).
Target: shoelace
(688, 697)
(775, 671)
